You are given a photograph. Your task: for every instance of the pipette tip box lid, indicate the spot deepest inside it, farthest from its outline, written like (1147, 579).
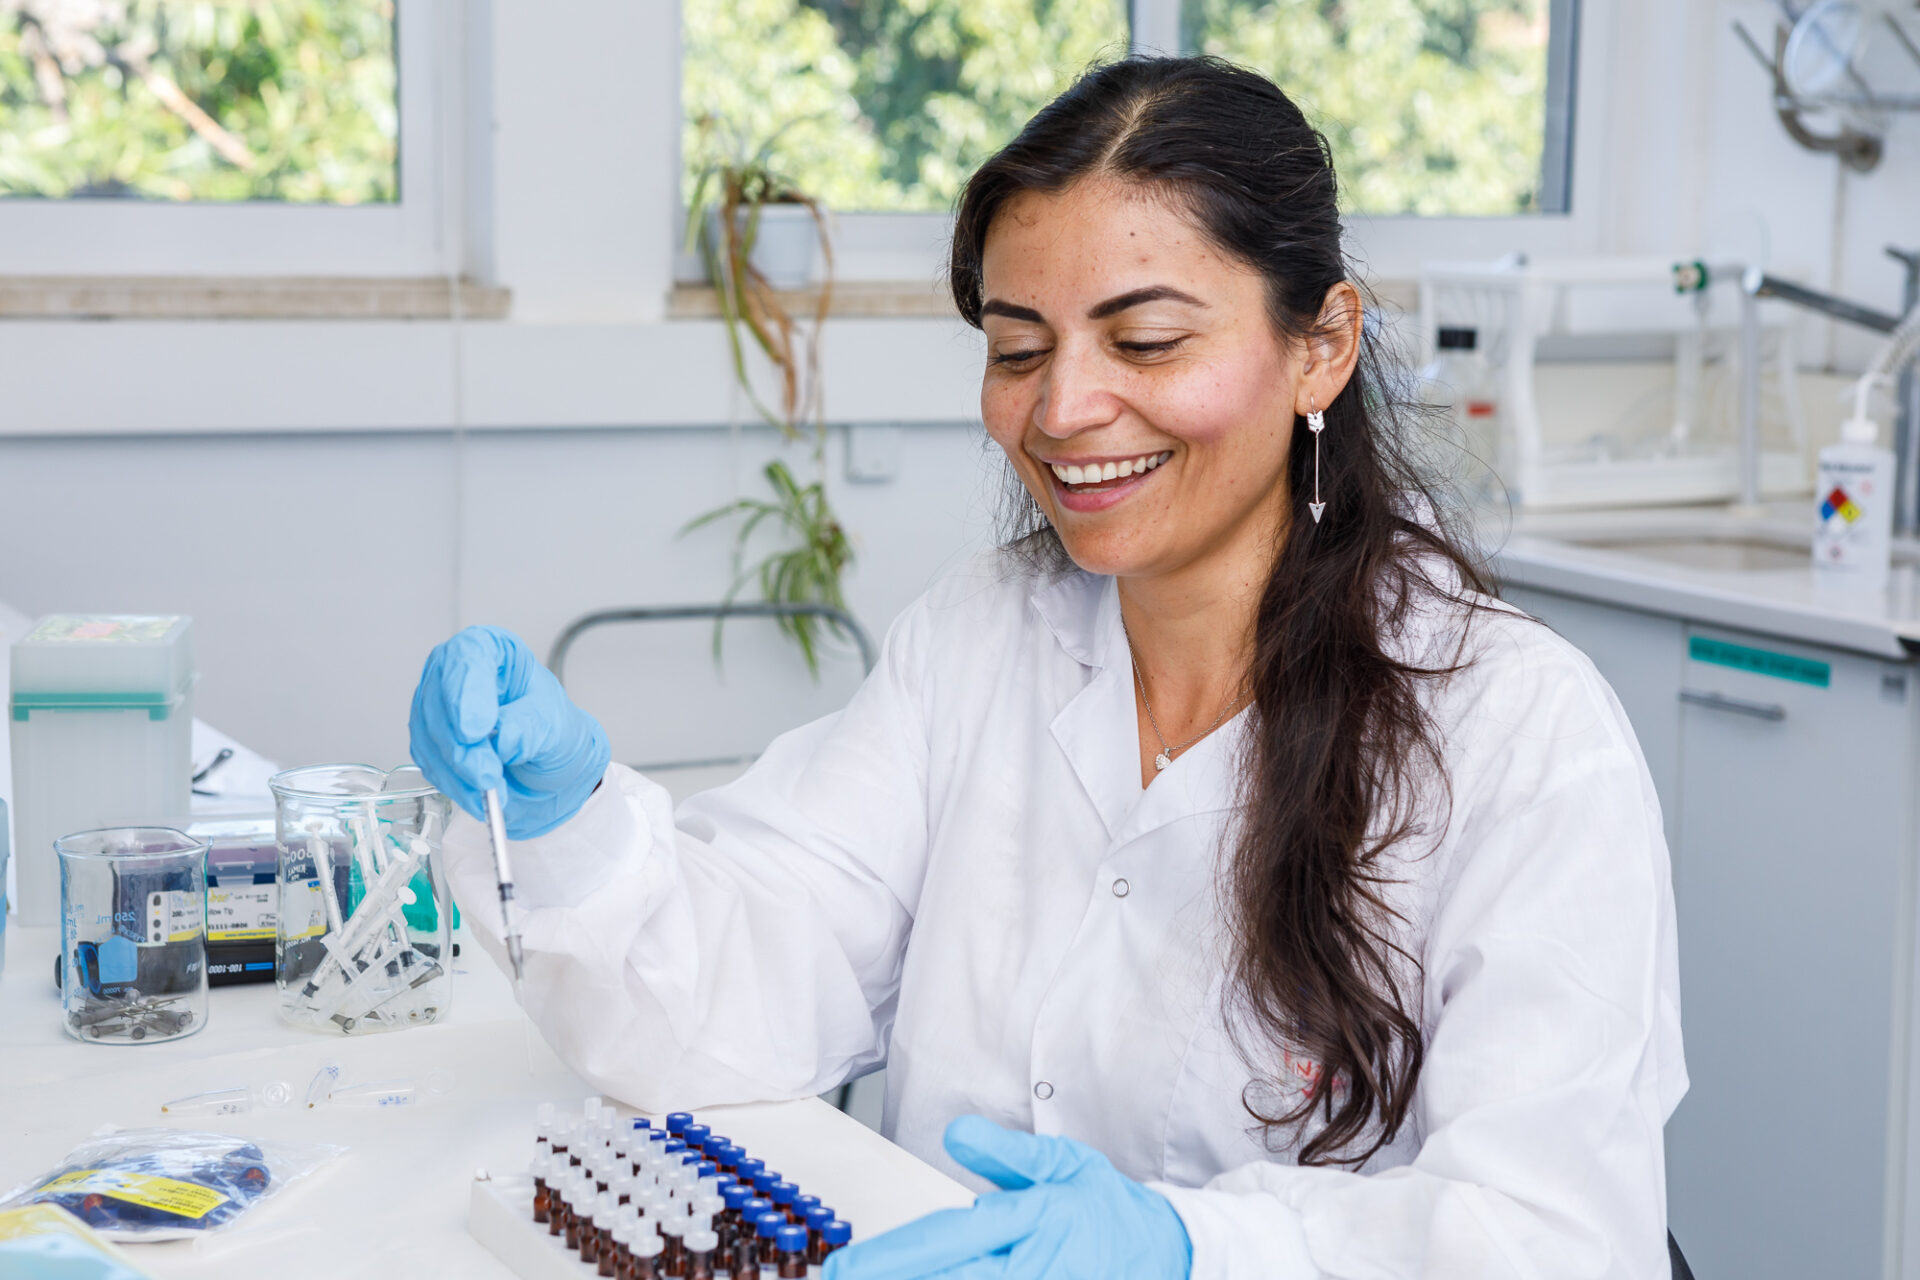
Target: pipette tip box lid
(74, 661)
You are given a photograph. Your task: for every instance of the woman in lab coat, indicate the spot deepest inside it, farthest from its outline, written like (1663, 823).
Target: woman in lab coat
(1313, 906)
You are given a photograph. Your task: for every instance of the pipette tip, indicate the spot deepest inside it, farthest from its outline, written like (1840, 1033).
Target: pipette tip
(514, 956)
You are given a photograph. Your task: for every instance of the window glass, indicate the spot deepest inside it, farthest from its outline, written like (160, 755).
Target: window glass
(879, 104)
(289, 100)
(1430, 106)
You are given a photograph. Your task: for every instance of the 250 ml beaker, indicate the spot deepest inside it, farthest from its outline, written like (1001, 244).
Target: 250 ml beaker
(364, 937)
(133, 934)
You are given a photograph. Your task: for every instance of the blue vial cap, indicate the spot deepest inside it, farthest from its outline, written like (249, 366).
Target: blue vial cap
(836, 1232)
(674, 1146)
(736, 1195)
(818, 1216)
(705, 1169)
(690, 1157)
(747, 1166)
(696, 1135)
(763, 1179)
(716, 1141)
(767, 1225)
(782, 1193)
(802, 1204)
(791, 1239)
(657, 1135)
(678, 1120)
(750, 1211)
(640, 1122)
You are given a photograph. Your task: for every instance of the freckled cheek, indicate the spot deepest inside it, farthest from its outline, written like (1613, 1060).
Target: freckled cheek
(1214, 409)
(1005, 411)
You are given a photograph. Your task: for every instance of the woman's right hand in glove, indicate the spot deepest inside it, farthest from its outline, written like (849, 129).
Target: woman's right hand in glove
(487, 714)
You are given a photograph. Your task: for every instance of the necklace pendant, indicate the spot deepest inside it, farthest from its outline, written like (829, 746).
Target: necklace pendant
(1161, 761)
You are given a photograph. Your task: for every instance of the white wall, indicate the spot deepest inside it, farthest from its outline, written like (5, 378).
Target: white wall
(301, 490)
(321, 568)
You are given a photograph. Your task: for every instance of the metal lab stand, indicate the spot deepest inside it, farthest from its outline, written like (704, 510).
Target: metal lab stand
(557, 663)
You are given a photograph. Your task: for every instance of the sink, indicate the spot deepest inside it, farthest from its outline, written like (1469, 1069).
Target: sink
(1719, 555)
(1748, 550)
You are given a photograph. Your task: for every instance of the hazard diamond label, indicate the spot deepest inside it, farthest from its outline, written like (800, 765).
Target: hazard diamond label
(1839, 504)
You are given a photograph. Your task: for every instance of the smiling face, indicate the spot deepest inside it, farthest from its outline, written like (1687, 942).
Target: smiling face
(1136, 382)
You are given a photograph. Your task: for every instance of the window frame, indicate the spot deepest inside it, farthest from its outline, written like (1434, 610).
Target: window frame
(410, 237)
(910, 248)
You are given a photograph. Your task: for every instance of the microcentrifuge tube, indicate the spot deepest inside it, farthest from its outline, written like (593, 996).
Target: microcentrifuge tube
(322, 1083)
(230, 1102)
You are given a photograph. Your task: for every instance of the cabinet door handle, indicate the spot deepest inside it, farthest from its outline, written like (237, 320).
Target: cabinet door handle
(1739, 706)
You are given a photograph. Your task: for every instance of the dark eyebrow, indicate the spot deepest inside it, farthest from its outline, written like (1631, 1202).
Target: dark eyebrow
(995, 307)
(1152, 293)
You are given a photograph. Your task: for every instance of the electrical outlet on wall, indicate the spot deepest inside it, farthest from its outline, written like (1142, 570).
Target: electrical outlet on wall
(873, 453)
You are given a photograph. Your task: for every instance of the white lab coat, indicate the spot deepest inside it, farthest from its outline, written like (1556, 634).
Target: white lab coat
(959, 876)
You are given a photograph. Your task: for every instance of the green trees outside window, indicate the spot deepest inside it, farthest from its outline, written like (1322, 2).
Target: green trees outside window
(1433, 107)
(181, 100)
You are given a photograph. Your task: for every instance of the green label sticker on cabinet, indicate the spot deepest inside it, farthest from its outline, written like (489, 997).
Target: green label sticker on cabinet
(1762, 662)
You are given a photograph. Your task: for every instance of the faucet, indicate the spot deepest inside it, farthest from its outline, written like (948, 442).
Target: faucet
(1756, 284)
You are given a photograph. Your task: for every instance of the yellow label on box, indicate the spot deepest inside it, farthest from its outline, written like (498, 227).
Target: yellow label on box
(242, 913)
(169, 1195)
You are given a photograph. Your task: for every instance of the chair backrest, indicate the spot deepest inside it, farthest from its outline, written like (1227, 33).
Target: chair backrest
(1681, 1271)
(709, 763)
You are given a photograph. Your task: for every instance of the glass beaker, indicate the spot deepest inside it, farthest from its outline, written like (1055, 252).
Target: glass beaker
(364, 936)
(133, 934)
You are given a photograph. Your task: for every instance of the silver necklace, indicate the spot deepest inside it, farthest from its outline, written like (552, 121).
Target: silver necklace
(1165, 757)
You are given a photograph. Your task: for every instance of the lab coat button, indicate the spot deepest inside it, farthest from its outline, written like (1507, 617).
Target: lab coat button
(1043, 1091)
(1121, 888)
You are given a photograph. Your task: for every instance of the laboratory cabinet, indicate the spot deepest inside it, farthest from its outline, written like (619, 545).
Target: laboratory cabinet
(1786, 775)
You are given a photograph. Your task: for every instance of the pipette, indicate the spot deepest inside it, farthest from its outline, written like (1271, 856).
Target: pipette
(497, 833)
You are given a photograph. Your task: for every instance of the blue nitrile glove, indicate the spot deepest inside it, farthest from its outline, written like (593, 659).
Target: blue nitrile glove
(486, 708)
(1064, 1212)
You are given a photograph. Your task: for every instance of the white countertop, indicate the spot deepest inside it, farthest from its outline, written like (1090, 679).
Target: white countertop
(1558, 551)
(396, 1203)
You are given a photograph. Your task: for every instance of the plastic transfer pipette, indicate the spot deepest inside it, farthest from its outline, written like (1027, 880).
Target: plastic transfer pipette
(497, 833)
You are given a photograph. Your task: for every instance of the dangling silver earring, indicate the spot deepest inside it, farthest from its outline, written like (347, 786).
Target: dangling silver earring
(1316, 423)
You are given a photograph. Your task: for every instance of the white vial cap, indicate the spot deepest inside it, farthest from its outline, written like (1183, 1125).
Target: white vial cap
(647, 1245)
(543, 1117)
(622, 1230)
(702, 1241)
(673, 1224)
(604, 1207)
(592, 1109)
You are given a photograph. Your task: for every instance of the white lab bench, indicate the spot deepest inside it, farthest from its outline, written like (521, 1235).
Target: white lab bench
(1781, 724)
(396, 1202)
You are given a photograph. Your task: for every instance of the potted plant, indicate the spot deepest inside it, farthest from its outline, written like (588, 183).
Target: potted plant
(749, 224)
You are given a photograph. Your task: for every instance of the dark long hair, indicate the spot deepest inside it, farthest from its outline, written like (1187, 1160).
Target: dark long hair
(1341, 743)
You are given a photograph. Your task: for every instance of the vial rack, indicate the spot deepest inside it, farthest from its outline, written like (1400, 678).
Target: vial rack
(611, 1195)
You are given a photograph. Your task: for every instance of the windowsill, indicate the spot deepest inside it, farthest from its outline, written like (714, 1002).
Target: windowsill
(879, 299)
(246, 298)
(852, 299)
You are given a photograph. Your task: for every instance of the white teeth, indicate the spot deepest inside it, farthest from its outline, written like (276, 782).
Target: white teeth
(1102, 472)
